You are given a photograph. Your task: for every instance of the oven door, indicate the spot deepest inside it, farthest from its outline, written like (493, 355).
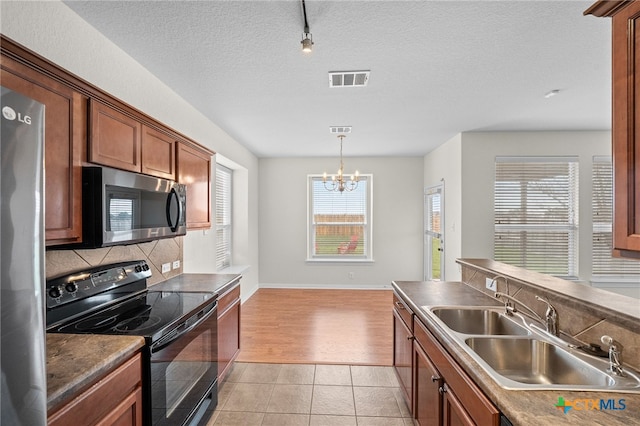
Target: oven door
(183, 371)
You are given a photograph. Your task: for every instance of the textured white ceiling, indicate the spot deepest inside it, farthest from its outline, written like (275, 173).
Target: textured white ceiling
(438, 68)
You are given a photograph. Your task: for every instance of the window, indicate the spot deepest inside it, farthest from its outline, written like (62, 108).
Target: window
(434, 233)
(340, 222)
(605, 266)
(536, 214)
(224, 181)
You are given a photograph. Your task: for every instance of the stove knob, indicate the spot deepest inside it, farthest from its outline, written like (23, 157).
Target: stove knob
(71, 287)
(54, 292)
(138, 268)
(145, 267)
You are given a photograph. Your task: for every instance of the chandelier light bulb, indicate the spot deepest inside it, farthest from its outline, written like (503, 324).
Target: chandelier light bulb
(338, 182)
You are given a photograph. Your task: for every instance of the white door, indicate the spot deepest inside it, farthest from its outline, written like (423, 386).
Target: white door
(434, 233)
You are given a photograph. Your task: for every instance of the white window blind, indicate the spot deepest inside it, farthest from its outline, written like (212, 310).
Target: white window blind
(604, 265)
(340, 222)
(536, 214)
(224, 180)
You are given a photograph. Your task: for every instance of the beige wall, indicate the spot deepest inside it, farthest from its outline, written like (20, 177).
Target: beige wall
(52, 30)
(397, 223)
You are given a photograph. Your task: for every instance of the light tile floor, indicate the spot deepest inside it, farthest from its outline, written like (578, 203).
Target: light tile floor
(310, 395)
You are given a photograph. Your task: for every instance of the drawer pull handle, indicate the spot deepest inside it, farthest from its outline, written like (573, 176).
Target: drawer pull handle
(400, 305)
(435, 378)
(442, 390)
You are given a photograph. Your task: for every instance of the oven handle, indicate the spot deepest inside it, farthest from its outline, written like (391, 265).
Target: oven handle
(183, 329)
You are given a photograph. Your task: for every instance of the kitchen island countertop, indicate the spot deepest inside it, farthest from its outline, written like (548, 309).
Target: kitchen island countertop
(519, 406)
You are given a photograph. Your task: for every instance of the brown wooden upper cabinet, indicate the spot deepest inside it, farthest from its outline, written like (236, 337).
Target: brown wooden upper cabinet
(194, 170)
(158, 154)
(121, 141)
(626, 122)
(116, 138)
(65, 136)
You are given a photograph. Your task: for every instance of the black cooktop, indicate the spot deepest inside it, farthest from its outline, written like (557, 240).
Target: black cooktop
(146, 315)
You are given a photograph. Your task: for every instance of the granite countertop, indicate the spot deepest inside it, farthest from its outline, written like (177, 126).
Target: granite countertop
(217, 283)
(519, 406)
(76, 361)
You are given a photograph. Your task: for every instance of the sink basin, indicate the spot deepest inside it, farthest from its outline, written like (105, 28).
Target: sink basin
(479, 321)
(520, 355)
(536, 362)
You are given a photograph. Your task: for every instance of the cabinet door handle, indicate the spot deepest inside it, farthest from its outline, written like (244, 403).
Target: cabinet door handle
(435, 378)
(410, 337)
(400, 305)
(442, 390)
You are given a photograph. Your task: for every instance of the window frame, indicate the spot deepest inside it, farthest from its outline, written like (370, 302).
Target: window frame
(368, 226)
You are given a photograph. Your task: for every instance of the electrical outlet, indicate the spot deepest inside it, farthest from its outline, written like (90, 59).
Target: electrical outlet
(166, 267)
(176, 264)
(491, 284)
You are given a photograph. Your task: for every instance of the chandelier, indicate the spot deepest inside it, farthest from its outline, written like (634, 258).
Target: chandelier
(338, 182)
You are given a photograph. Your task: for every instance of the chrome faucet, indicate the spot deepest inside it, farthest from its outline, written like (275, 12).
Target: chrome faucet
(551, 321)
(615, 355)
(510, 310)
(507, 304)
(551, 317)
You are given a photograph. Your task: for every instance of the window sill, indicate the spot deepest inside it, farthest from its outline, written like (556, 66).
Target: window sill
(613, 281)
(234, 269)
(339, 260)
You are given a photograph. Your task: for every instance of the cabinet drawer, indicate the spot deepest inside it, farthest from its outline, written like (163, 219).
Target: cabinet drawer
(228, 299)
(404, 311)
(476, 404)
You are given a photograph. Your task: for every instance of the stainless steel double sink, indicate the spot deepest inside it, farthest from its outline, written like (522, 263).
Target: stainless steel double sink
(519, 355)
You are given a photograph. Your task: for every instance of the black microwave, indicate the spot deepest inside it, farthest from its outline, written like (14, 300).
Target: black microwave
(120, 207)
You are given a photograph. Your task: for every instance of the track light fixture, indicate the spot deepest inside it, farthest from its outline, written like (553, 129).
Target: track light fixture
(307, 38)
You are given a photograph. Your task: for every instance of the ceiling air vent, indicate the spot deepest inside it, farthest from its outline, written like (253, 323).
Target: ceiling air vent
(348, 78)
(339, 130)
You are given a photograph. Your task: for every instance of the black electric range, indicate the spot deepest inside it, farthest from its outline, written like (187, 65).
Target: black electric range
(180, 331)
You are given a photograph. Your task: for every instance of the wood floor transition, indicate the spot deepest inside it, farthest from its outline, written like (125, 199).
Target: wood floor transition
(309, 326)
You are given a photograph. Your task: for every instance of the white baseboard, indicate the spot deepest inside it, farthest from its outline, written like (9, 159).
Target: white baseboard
(328, 286)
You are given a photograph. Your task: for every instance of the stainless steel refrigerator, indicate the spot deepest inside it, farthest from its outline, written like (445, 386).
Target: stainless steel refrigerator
(23, 387)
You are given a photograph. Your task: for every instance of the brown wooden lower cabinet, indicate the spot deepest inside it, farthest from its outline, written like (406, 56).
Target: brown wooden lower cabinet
(437, 390)
(228, 330)
(427, 390)
(460, 399)
(402, 350)
(116, 399)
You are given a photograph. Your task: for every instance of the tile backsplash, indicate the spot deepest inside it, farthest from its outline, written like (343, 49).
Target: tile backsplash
(155, 253)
